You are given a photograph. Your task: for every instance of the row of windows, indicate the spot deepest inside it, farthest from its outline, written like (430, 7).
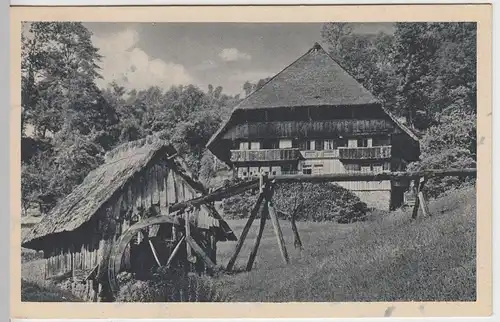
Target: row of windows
(317, 168)
(314, 145)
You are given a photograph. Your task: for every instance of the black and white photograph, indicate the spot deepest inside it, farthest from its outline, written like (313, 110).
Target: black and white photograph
(248, 162)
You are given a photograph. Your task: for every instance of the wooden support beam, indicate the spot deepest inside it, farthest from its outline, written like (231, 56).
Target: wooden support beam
(153, 250)
(244, 233)
(420, 198)
(423, 204)
(198, 250)
(227, 192)
(417, 203)
(187, 226)
(175, 251)
(277, 229)
(253, 253)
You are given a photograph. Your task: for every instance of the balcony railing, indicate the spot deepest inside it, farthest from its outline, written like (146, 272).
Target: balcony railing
(369, 153)
(323, 154)
(265, 155)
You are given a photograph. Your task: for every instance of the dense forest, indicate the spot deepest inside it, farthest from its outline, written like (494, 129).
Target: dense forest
(425, 73)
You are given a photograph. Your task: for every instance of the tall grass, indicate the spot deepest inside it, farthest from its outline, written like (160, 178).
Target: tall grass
(168, 285)
(392, 258)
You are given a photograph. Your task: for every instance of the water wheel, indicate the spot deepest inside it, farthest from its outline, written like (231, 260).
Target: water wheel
(147, 239)
(170, 245)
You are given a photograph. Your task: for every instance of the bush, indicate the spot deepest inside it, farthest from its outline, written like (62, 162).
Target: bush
(306, 201)
(451, 144)
(168, 285)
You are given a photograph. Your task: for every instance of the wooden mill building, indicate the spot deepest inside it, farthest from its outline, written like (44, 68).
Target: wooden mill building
(138, 180)
(313, 117)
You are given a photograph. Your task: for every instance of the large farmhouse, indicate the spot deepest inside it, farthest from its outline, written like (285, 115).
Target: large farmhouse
(314, 117)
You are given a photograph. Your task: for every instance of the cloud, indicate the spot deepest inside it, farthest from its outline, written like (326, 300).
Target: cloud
(205, 65)
(131, 67)
(233, 54)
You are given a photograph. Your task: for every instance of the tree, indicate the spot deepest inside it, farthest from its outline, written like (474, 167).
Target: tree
(249, 87)
(65, 108)
(451, 143)
(59, 71)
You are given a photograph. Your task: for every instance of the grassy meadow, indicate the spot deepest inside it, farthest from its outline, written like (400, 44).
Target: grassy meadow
(389, 258)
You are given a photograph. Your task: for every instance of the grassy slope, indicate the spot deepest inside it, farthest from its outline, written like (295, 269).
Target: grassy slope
(33, 292)
(390, 259)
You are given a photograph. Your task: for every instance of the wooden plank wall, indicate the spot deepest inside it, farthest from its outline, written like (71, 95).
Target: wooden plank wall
(156, 186)
(304, 129)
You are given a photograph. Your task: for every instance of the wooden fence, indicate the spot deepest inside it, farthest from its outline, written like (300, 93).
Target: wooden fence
(265, 184)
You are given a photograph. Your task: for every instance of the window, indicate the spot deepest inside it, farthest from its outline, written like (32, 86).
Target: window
(318, 145)
(351, 167)
(302, 145)
(310, 145)
(288, 169)
(341, 142)
(285, 144)
(377, 167)
(254, 145)
(318, 169)
(330, 145)
(366, 168)
(243, 145)
(362, 143)
(270, 144)
(352, 143)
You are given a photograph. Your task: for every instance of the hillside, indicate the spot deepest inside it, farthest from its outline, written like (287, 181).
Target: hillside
(391, 258)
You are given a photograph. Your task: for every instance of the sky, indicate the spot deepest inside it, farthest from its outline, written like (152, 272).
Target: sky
(140, 55)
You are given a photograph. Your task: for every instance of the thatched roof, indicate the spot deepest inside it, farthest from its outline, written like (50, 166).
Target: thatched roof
(103, 183)
(315, 79)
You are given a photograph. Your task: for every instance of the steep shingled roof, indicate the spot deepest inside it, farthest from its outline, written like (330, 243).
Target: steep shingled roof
(315, 79)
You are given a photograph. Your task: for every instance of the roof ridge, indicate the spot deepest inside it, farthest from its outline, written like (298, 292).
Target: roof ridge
(314, 47)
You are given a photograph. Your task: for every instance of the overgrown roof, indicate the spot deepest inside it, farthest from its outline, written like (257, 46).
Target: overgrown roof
(101, 185)
(315, 79)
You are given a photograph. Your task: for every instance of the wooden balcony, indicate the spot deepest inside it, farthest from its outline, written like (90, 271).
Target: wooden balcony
(265, 155)
(371, 153)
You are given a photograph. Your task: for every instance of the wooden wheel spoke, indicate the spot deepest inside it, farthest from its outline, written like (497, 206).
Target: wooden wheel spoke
(153, 250)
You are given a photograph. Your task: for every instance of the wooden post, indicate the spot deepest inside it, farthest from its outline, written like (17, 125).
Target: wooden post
(244, 233)
(420, 199)
(277, 229)
(198, 250)
(253, 254)
(415, 207)
(187, 225)
(213, 247)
